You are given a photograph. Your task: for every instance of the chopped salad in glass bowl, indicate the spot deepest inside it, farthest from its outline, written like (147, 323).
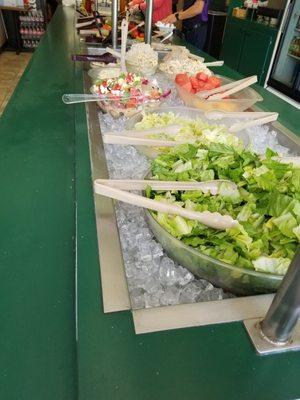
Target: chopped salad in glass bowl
(251, 257)
(127, 93)
(180, 124)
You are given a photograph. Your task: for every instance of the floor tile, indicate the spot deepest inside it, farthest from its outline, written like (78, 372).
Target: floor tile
(12, 67)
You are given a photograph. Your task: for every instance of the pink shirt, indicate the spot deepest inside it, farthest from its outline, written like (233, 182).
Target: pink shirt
(161, 8)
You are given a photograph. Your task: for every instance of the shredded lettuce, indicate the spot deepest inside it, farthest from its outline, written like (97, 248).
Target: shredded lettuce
(191, 130)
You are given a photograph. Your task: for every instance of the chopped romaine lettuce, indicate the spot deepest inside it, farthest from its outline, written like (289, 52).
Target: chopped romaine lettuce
(191, 130)
(266, 203)
(271, 265)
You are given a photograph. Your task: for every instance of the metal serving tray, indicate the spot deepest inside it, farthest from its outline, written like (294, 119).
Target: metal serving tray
(114, 283)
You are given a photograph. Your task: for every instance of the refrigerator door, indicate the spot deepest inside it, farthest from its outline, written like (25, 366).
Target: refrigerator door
(285, 72)
(2, 31)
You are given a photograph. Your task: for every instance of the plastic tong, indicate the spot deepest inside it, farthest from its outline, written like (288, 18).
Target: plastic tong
(141, 138)
(118, 190)
(228, 89)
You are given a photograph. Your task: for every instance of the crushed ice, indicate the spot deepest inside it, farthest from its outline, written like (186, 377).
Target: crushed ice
(153, 278)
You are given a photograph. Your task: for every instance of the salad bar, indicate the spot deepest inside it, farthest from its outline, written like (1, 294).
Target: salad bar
(196, 199)
(235, 229)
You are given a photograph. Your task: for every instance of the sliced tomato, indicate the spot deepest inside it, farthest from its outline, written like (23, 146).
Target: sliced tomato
(132, 103)
(200, 85)
(194, 82)
(207, 86)
(213, 80)
(181, 79)
(187, 86)
(106, 27)
(201, 76)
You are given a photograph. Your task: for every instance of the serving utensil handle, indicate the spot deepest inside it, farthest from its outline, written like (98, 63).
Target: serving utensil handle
(141, 184)
(207, 93)
(79, 98)
(213, 220)
(169, 129)
(235, 89)
(214, 64)
(256, 122)
(239, 115)
(138, 141)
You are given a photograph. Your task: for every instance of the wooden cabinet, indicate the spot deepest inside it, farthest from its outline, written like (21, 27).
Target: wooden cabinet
(247, 47)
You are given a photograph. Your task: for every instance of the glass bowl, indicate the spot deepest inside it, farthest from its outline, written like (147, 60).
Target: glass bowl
(117, 109)
(184, 112)
(233, 278)
(240, 281)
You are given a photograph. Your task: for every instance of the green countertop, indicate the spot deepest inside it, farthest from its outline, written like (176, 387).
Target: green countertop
(54, 347)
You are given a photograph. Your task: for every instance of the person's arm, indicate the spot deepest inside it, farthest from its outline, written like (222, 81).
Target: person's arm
(190, 12)
(156, 4)
(134, 5)
(135, 2)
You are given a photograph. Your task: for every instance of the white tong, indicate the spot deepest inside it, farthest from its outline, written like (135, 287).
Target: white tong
(136, 27)
(140, 141)
(83, 24)
(166, 37)
(214, 64)
(228, 89)
(256, 118)
(117, 190)
(113, 52)
(168, 129)
(141, 138)
(124, 34)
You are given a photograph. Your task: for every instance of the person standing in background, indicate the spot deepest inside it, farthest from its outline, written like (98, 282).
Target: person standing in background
(194, 17)
(161, 8)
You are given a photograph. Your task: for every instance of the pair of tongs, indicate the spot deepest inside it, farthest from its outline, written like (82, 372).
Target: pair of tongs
(228, 89)
(124, 34)
(141, 138)
(84, 24)
(136, 27)
(218, 63)
(118, 190)
(73, 98)
(98, 22)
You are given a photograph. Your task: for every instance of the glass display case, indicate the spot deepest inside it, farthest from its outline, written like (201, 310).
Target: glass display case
(285, 74)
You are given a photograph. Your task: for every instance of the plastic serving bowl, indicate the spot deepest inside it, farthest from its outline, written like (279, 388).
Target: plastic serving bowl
(184, 112)
(239, 101)
(116, 109)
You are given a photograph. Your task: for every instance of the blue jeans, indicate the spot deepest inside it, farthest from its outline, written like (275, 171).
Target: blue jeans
(197, 35)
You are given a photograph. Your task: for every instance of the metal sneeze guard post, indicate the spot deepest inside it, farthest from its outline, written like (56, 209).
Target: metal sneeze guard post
(148, 21)
(114, 18)
(279, 330)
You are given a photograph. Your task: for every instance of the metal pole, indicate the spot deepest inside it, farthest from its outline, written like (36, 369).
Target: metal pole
(148, 21)
(114, 20)
(284, 312)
